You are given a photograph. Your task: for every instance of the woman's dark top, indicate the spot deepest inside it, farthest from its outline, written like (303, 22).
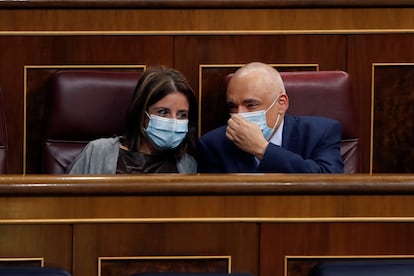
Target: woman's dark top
(137, 162)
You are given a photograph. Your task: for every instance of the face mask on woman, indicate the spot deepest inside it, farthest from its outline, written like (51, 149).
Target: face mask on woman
(166, 133)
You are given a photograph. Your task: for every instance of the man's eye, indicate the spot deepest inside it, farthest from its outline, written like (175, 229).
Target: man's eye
(251, 105)
(231, 107)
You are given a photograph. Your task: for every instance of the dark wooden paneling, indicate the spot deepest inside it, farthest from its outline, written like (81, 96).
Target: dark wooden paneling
(294, 51)
(351, 239)
(238, 240)
(201, 4)
(206, 196)
(19, 51)
(393, 133)
(329, 51)
(128, 265)
(364, 51)
(153, 19)
(258, 220)
(53, 243)
(354, 53)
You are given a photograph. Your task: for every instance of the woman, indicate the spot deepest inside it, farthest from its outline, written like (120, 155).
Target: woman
(159, 131)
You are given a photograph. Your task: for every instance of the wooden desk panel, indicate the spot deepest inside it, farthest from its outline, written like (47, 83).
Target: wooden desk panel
(206, 197)
(291, 249)
(52, 244)
(265, 223)
(179, 241)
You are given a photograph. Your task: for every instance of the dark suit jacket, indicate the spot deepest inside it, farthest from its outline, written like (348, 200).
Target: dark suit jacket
(309, 145)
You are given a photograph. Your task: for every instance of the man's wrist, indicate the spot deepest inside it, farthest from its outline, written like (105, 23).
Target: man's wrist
(261, 150)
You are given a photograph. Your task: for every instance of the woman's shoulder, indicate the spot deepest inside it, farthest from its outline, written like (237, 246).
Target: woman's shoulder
(104, 142)
(99, 156)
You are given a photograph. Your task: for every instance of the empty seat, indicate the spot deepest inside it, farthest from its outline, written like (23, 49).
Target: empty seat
(83, 105)
(327, 94)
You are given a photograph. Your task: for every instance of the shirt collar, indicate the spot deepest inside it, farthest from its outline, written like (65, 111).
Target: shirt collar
(277, 137)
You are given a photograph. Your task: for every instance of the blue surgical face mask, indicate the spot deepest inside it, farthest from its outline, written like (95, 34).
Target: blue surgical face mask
(259, 118)
(166, 133)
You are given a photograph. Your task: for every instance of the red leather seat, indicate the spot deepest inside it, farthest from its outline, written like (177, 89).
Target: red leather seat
(327, 94)
(83, 105)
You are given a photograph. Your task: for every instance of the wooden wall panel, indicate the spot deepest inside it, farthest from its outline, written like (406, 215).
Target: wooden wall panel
(237, 240)
(275, 49)
(16, 52)
(393, 118)
(353, 53)
(287, 51)
(349, 39)
(364, 51)
(51, 243)
(257, 220)
(141, 264)
(288, 242)
(235, 19)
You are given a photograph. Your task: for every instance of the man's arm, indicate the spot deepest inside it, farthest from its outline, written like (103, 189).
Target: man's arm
(323, 157)
(207, 157)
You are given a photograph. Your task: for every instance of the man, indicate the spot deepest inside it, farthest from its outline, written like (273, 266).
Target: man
(261, 137)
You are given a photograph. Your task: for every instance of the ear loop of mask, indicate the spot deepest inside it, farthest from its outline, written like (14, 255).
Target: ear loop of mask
(277, 120)
(274, 130)
(273, 103)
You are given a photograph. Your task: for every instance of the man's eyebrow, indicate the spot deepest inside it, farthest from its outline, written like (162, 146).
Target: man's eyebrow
(246, 101)
(250, 100)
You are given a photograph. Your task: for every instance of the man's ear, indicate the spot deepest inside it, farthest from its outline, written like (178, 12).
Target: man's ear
(284, 102)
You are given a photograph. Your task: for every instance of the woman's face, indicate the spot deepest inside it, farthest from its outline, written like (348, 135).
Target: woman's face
(174, 105)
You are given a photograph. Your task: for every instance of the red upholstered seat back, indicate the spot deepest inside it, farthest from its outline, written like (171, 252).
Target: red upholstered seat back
(83, 105)
(3, 138)
(327, 94)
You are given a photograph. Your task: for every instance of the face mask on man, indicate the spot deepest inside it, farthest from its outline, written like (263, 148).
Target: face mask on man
(259, 118)
(166, 133)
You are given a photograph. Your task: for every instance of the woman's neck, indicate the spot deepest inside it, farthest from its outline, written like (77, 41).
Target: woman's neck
(146, 147)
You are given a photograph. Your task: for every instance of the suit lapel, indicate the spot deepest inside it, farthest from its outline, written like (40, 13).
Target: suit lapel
(290, 136)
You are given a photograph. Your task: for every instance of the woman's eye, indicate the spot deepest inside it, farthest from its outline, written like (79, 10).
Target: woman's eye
(162, 112)
(183, 115)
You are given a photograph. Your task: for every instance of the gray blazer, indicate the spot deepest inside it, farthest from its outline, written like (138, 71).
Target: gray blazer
(101, 156)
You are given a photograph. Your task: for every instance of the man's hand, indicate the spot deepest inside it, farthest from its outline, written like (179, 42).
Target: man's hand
(246, 135)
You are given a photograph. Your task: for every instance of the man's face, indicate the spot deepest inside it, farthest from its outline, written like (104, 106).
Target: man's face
(247, 93)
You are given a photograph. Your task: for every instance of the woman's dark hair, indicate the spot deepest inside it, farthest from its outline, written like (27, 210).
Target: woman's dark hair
(153, 85)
